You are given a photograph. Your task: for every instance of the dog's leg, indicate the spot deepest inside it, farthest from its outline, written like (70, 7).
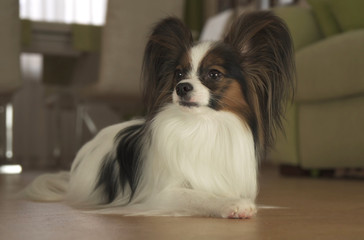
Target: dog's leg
(192, 202)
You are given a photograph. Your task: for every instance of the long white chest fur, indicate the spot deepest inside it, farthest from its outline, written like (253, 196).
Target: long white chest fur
(202, 149)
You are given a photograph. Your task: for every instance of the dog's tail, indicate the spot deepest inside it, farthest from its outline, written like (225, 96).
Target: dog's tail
(47, 188)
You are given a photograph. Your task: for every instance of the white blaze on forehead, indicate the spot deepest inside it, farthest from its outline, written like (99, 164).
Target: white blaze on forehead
(200, 94)
(197, 54)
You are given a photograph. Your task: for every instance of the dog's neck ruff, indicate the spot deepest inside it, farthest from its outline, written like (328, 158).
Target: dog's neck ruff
(202, 149)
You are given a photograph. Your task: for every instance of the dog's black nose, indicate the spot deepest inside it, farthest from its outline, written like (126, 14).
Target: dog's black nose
(183, 88)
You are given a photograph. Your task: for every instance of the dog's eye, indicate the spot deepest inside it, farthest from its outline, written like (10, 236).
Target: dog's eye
(214, 74)
(179, 75)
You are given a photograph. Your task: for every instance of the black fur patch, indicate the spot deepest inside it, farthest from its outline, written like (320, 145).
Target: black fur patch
(109, 178)
(121, 169)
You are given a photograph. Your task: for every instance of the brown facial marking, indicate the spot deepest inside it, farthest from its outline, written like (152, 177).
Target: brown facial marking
(165, 91)
(184, 66)
(232, 99)
(211, 62)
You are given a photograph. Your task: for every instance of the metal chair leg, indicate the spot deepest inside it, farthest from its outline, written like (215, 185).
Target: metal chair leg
(9, 131)
(8, 167)
(83, 117)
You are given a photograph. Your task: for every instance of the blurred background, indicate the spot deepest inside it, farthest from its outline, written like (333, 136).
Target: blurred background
(71, 67)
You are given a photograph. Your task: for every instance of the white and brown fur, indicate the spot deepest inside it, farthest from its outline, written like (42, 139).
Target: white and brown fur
(212, 110)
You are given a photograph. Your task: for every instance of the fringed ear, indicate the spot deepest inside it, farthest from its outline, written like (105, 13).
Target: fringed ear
(170, 38)
(268, 65)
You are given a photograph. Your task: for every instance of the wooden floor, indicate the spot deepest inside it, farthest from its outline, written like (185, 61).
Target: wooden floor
(309, 209)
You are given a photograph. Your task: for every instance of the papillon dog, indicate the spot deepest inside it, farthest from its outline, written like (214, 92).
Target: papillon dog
(212, 110)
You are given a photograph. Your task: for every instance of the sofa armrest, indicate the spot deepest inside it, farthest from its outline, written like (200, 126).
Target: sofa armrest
(332, 68)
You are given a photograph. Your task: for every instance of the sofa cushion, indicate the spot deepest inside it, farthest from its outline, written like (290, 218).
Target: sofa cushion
(302, 25)
(331, 68)
(336, 16)
(330, 134)
(349, 13)
(325, 17)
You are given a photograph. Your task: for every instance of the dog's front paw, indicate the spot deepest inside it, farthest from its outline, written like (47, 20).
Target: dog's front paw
(242, 209)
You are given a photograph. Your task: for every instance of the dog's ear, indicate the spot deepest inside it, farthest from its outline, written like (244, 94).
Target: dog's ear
(265, 45)
(168, 40)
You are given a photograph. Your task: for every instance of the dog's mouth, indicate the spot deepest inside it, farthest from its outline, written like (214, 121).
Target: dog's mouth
(188, 104)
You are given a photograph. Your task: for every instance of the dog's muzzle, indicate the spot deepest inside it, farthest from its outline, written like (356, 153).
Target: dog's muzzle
(184, 91)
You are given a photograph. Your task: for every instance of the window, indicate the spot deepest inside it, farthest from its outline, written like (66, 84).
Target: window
(65, 11)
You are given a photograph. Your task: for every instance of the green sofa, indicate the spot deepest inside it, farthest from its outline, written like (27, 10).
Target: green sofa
(325, 124)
